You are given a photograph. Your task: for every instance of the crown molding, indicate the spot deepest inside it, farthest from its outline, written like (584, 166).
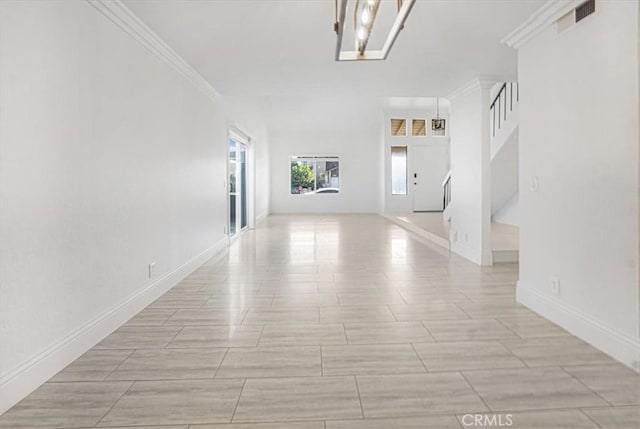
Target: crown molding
(123, 17)
(549, 13)
(479, 82)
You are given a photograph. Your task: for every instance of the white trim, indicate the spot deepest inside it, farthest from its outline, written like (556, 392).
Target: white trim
(398, 220)
(549, 13)
(466, 251)
(261, 217)
(479, 82)
(123, 17)
(444, 181)
(236, 133)
(618, 345)
(18, 382)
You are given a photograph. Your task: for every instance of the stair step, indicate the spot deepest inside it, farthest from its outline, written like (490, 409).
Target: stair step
(503, 256)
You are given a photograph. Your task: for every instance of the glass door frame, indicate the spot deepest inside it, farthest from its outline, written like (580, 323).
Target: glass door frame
(243, 188)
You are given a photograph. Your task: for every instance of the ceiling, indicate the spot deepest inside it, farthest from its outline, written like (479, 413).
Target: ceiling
(286, 47)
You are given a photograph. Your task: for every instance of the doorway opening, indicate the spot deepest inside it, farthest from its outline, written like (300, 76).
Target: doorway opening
(238, 181)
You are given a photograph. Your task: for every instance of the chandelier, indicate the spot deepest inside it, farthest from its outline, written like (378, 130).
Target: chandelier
(364, 17)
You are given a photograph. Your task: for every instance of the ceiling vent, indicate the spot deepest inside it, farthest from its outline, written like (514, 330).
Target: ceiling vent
(576, 15)
(585, 9)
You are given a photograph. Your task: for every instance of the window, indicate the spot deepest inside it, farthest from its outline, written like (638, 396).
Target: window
(418, 127)
(315, 175)
(398, 170)
(398, 127)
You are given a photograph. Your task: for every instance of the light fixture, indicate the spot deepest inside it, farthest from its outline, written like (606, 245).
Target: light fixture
(438, 125)
(364, 17)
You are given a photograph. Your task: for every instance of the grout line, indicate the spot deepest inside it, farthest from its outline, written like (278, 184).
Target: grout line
(508, 328)
(392, 313)
(459, 422)
(238, 401)
(260, 337)
(164, 322)
(463, 310)
(435, 340)
(476, 392)
(115, 403)
(244, 316)
(590, 418)
(418, 355)
(500, 341)
(174, 337)
(344, 331)
(221, 362)
(355, 378)
(587, 387)
(120, 364)
(402, 297)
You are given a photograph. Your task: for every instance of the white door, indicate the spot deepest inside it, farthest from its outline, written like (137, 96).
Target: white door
(429, 165)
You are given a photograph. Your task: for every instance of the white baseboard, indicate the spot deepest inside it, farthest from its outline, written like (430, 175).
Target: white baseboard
(19, 382)
(446, 214)
(466, 252)
(261, 217)
(442, 242)
(618, 345)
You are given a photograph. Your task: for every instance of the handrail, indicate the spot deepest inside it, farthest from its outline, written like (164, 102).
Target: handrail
(446, 178)
(495, 100)
(505, 92)
(446, 191)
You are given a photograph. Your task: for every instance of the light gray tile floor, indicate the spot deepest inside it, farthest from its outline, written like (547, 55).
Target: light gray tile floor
(337, 322)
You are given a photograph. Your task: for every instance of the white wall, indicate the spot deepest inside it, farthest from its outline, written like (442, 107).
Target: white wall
(348, 127)
(404, 203)
(110, 160)
(470, 209)
(509, 213)
(504, 174)
(579, 137)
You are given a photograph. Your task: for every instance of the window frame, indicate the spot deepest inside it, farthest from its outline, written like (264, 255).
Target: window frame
(406, 170)
(316, 159)
(413, 135)
(406, 127)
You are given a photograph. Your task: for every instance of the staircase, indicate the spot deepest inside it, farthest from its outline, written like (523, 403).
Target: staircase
(504, 171)
(503, 116)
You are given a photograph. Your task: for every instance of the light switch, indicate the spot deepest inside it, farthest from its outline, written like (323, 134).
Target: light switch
(534, 184)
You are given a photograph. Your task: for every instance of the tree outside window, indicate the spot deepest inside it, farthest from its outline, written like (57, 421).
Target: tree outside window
(315, 175)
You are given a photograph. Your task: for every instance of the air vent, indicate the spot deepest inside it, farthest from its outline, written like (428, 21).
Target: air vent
(585, 9)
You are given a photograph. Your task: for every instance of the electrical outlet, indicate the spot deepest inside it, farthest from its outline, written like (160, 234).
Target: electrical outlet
(555, 286)
(455, 236)
(152, 269)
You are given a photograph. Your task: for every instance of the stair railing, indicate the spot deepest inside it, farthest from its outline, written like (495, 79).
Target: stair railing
(502, 104)
(446, 191)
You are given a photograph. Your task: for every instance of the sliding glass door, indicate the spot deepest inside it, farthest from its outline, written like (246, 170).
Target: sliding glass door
(237, 187)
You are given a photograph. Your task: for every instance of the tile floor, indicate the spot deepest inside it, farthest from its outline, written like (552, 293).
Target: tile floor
(336, 322)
